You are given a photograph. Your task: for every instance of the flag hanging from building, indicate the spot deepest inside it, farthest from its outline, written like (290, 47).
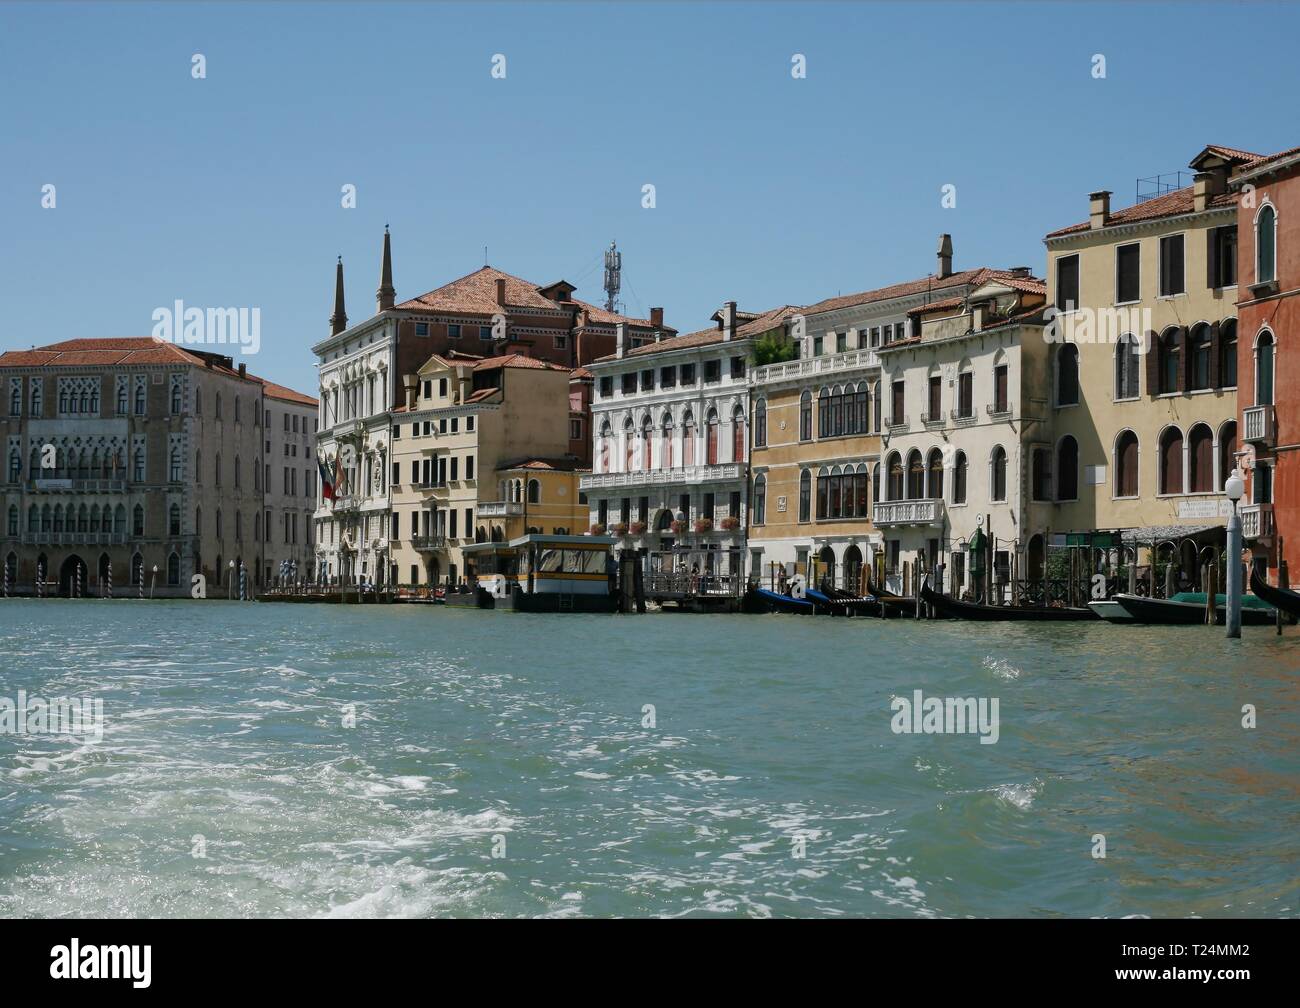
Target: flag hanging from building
(326, 484)
(340, 476)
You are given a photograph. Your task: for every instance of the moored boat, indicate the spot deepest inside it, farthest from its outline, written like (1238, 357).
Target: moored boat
(1280, 598)
(1111, 611)
(955, 609)
(761, 600)
(1188, 609)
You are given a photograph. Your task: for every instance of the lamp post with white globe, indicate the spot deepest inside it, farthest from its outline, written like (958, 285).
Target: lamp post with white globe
(1233, 489)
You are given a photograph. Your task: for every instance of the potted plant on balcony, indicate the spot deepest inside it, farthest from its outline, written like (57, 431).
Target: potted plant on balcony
(636, 528)
(620, 529)
(703, 524)
(731, 523)
(679, 527)
(596, 529)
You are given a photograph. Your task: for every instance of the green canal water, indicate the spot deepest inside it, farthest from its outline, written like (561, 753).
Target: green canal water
(401, 761)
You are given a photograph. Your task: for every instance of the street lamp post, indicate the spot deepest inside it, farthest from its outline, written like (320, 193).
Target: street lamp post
(153, 577)
(230, 581)
(1234, 488)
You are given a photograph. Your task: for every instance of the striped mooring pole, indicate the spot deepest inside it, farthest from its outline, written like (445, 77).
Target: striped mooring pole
(40, 581)
(243, 583)
(6, 578)
(76, 582)
(108, 583)
(141, 584)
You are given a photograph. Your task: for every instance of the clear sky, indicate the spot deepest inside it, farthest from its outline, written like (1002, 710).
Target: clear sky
(225, 191)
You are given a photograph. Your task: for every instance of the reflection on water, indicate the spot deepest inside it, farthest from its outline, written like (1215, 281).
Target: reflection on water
(377, 761)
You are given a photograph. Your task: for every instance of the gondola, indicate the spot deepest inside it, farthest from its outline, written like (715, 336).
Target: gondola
(859, 605)
(760, 600)
(895, 605)
(954, 609)
(1185, 611)
(1280, 598)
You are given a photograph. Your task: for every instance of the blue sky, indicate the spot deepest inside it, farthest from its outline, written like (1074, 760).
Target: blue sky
(770, 190)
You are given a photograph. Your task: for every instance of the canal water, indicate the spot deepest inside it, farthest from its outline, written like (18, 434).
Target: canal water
(406, 761)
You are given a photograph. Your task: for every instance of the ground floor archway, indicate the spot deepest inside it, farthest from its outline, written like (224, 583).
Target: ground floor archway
(72, 577)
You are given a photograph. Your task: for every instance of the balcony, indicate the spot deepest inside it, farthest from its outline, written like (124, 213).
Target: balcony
(498, 509)
(1258, 425)
(684, 475)
(850, 360)
(913, 512)
(429, 542)
(347, 502)
(1257, 521)
(74, 538)
(53, 480)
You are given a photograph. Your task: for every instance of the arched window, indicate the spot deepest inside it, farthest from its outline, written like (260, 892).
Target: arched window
(534, 492)
(760, 424)
(825, 508)
(174, 520)
(1126, 464)
(760, 499)
(138, 474)
(805, 416)
(738, 435)
(959, 478)
(15, 465)
(1264, 369)
(139, 400)
(1126, 367)
(239, 523)
(915, 476)
(176, 397)
(1067, 469)
(936, 474)
(13, 520)
(216, 470)
(1227, 452)
(999, 474)
(862, 409)
(711, 439)
(824, 412)
(606, 435)
(1199, 348)
(1171, 461)
(647, 428)
(688, 439)
(1266, 244)
(219, 524)
(198, 521)
(666, 441)
(174, 465)
(173, 569)
(629, 446)
(1200, 459)
(137, 520)
(805, 495)
(1228, 354)
(1169, 363)
(895, 477)
(1041, 474)
(861, 499)
(1067, 375)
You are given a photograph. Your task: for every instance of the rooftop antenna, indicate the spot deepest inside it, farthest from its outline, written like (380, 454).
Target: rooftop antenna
(613, 275)
(484, 255)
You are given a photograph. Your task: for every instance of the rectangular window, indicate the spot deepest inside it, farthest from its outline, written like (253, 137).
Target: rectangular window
(575, 430)
(485, 332)
(1000, 389)
(453, 330)
(648, 380)
(934, 408)
(1128, 273)
(817, 346)
(667, 377)
(896, 403)
(875, 336)
(629, 383)
(688, 374)
(1222, 256)
(841, 342)
(712, 371)
(1171, 266)
(1067, 283)
(737, 368)
(469, 467)
(966, 394)
(606, 387)
(455, 467)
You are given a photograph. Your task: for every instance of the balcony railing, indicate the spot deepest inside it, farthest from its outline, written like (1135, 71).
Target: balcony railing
(659, 477)
(498, 509)
(1257, 424)
(73, 538)
(53, 479)
(913, 512)
(430, 542)
(1257, 521)
(850, 360)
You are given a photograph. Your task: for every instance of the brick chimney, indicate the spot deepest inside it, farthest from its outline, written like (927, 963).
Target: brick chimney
(1205, 186)
(463, 383)
(501, 291)
(620, 340)
(657, 317)
(945, 256)
(1098, 209)
(243, 370)
(728, 321)
(411, 383)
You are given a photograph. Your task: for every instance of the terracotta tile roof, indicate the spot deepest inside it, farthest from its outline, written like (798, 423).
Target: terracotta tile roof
(516, 361)
(116, 351)
(274, 391)
(931, 283)
(760, 324)
(581, 372)
(1232, 154)
(1171, 204)
(476, 294)
(937, 305)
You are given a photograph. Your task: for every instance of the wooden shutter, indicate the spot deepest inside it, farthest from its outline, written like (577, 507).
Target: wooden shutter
(1153, 363)
(1211, 258)
(1214, 355)
(1184, 359)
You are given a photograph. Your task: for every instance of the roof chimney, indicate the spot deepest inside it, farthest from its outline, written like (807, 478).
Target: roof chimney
(339, 320)
(1098, 209)
(243, 369)
(620, 340)
(1020, 271)
(976, 318)
(1204, 186)
(728, 321)
(501, 291)
(945, 256)
(411, 383)
(385, 296)
(657, 317)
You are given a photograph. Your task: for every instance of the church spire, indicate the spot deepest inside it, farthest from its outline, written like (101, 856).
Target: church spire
(339, 320)
(386, 295)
